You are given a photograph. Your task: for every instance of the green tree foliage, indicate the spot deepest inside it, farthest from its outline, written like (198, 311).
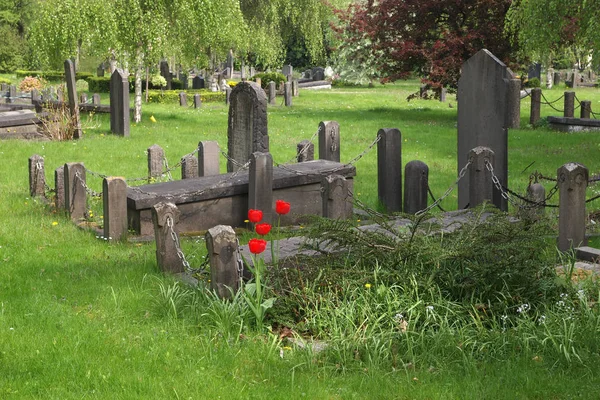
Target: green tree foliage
(14, 16)
(546, 29)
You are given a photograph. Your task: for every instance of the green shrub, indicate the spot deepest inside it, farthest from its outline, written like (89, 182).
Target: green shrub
(532, 83)
(82, 86)
(101, 84)
(5, 80)
(50, 75)
(172, 96)
(267, 77)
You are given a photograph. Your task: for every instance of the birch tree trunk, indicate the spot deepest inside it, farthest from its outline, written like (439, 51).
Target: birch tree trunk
(139, 70)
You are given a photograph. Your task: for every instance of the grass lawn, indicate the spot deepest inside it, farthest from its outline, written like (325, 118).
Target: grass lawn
(82, 318)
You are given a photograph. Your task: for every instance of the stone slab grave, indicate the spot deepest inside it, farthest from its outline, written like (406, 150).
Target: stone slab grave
(566, 124)
(19, 124)
(208, 201)
(484, 101)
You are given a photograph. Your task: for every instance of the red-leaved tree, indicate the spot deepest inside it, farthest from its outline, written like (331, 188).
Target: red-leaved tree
(429, 37)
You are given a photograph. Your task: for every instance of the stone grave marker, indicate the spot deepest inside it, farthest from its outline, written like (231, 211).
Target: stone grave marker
(72, 94)
(198, 82)
(247, 127)
(318, 74)
(166, 73)
(287, 70)
(119, 103)
(483, 115)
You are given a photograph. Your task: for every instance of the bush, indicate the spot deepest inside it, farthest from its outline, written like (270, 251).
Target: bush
(532, 83)
(172, 96)
(101, 84)
(82, 86)
(51, 75)
(267, 77)
(5, 80)
(30, 83)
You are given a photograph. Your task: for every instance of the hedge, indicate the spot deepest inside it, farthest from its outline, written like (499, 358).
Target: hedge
(50, 75)
(172, 96)
(101, 84)
(266, 77)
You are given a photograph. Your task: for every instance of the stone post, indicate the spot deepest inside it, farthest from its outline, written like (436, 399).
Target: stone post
(189, 167)
(227, 96)
(165, 217)
(35, 96)
(575, 78)
(586, 109)
(96, 99)
(156, 157)
(208, 158)
(83, 98)
(12, 94)
(37, 177)
(569, 111)
(75, 194)
(480, 177)
(72, 94)
(295, 90)
(329, 141)
(572, 184)
(556, 78)
(513, 94)
(197, 101)
(59, 188)
(536, 105)
(416, 182)
(272, 92)
(287, 94)
(305, 151)
(114, 201)
(442, 94)
(260, 184)
(389, 169)
(337, 201)
(225, 265)
(182, 99)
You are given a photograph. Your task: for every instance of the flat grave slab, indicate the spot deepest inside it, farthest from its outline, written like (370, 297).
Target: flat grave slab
(566, 124)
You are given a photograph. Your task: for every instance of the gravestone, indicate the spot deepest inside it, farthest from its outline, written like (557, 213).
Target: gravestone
(535, 71)
(166, 73)
(119, 103)
(182, 99)
(197, 101)
(198, 82)
(318, 74)
(287, 70)
(247, 127)
(483, 113)
(272, 92)
(329, 141)
(72, 94)
(96, 99)
(287, 94)
(100, 70)
(184, 80)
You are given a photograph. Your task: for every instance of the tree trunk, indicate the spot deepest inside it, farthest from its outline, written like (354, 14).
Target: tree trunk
(139, 70)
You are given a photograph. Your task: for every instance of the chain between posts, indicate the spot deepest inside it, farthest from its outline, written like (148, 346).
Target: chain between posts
(88, 190)
(180, 253)
(38, 168)
(461, 174)
(240, 262)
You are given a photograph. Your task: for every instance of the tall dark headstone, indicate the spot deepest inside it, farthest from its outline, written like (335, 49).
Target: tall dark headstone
(483, 114)
(119, 103)
(318, 74)
(198, 82)
(535, 71)
(166, 73)
(389, 169)
(247, 127)
(72, 94)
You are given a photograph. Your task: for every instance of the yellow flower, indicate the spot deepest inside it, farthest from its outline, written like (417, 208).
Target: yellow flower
(54, 223)
(368, 285)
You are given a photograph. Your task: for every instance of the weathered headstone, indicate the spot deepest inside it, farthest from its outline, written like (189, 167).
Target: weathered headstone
(83, 98)
(329, 141)
(37, 177)
(287, 70)
(75, 193)
(247, 127)
(114, 200)
(483, 90)
(389, 169)
(59, 187)
(208, 158)
(197, 101)
(287, 94)
(72, 94)
(318, 74)
(416, 182)
(514, 104)
(305, 151)
(572, 185)
(182, 99)
(198, 82)
(535, 71)
(337, 201)
(260, 185)
(272, 92)
(222, 246)
(295, 91)
(96, 99)
(119, 103)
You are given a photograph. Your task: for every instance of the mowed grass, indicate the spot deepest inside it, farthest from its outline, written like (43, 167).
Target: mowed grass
(78, 316)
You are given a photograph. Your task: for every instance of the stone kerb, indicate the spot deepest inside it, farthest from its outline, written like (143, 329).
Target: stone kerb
(165, 217)
(483, 117)
(480, 176)
(247, 131)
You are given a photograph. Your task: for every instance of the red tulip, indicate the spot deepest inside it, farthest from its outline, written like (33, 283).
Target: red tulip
(257, 246)
(262, 229)
(254, 216)
(282, 207)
